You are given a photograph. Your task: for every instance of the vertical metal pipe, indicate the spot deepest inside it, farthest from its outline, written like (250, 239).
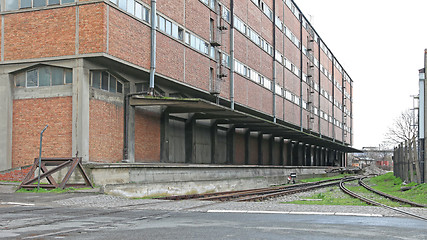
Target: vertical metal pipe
(232, 56)
(153, 45)
(274, 61)
(40, 156)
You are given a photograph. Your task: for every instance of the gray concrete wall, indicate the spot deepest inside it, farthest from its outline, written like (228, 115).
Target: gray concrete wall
(202, 143)
(139, 180)
(6, 113)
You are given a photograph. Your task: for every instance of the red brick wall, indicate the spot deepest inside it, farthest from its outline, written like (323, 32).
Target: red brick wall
(39, 34)
(30, 116)
(147, 136)
(15, 174)
(129, 39)
(92, 28)
(105, 131)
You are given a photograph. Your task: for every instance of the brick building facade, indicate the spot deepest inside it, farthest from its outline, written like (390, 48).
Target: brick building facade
(77, 66)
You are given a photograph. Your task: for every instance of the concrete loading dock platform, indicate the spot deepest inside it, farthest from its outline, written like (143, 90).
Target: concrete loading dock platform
(142, 180)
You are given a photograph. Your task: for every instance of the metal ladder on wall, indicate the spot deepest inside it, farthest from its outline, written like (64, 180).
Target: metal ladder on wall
(344, 107)
(310, 79)
(217, 30)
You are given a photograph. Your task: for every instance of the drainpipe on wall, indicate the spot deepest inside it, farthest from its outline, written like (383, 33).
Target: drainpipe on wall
(274, 61)
(232, 56)
(153, 46)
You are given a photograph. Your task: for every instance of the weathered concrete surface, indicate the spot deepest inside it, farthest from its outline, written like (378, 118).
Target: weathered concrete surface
(140, 180)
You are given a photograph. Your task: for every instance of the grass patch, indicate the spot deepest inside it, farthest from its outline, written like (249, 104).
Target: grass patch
(55, 190)
(386, 183)
(332, 197)
(324, 178)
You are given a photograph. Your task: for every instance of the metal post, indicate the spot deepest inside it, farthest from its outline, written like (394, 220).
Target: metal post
(40, 157)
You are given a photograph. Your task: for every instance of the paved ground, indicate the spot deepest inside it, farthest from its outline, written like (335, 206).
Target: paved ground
(98, 216)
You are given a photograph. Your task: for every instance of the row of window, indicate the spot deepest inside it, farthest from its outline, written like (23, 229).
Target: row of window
(135, 8)
(252, 35)
(264, 8)
(105, 81)
(252, 74)
(20, 4)
(43, 77)
(209, 3)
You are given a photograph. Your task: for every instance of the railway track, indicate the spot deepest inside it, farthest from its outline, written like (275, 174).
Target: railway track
(261, 193)
(374, 203)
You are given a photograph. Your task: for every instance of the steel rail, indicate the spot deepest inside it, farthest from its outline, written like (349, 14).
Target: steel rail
(371, 202)
(221, 196)
(391, 197)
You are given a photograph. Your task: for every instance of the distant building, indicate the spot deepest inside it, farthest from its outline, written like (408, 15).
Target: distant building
(235, 82)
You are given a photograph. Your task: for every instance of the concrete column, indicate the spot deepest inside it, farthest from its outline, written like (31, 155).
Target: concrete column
(6, 110)
(301, 154)
(260, 138)
(80, 128)
(129, 151)
(247, 152)
(189, 139)
(282, 152)
(214, 133)
(270, 150)
(164, 136)
(230, 145)
(312, 156)
(289, 154)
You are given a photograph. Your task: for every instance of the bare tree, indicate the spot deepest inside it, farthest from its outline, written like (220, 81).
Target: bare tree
(404, 128)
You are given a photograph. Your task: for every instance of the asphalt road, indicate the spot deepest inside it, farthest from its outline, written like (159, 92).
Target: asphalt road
(39, 216)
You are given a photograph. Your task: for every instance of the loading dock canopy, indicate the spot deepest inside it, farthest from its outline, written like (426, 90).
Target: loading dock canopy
(206, 110)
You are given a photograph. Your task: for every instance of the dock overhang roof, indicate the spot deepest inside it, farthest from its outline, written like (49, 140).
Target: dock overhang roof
(206, 110)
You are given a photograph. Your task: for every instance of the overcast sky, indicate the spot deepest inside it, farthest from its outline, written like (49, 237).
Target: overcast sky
(380, 43)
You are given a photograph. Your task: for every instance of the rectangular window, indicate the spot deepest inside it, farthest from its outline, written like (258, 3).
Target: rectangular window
(113, 1)
(32, 78)
(122, 4)
(39, 3)
(71, 1)
(53, 2)
(11, 5)
(112, 84)
(146, 14)
(68, 76)
(119, 87)
(131, 7)
(168, 27)
(26, 4)
(104, 81)
(44, 76)
(138, 10)
(162, 24)
(96, 76)
(57, 76)
(175, 31)
(20, 80)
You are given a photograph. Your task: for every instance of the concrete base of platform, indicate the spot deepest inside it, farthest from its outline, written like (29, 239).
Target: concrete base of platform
(145, 180)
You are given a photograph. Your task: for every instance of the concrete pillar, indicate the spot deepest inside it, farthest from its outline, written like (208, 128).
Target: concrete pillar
(129, 151)
(260, 138)
(214, 133)
(247, 152)
(80, 115)
(282, 152)
(230, 145)
(189, 138)
(289, 153)
(6, 110)
(300, 153)
(270, 150)
(312, 154)
(164, 136)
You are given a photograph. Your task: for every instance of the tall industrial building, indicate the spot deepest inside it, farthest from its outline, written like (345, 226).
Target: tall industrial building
(246, 82)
